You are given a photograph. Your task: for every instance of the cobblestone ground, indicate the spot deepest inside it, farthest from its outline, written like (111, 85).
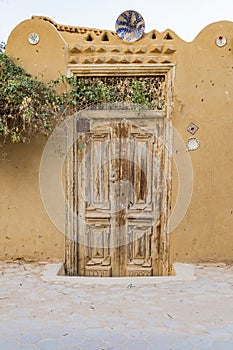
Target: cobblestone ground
(39, 315)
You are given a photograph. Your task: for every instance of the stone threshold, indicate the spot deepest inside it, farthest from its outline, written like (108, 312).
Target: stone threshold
(54, 272)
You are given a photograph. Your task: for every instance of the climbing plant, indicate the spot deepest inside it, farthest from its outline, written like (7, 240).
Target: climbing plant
(29, 106)
(26, 104)
(148, 92)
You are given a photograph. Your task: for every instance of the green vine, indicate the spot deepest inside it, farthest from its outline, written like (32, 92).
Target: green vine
(29, 106)
(148, 92)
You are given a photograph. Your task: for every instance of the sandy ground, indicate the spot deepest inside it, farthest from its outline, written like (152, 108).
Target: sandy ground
(41, 315)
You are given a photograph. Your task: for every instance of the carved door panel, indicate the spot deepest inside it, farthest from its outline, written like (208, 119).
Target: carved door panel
(120, 196)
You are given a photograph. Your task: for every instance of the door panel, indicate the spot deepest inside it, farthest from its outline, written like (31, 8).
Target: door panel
(139, 253)
(97, 176)
(97, 251)
(120, 190)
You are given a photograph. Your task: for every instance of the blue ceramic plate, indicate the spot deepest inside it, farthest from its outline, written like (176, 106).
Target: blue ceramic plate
(130, 26)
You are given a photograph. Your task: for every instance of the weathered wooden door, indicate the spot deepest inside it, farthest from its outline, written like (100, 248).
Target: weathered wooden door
(122, 195)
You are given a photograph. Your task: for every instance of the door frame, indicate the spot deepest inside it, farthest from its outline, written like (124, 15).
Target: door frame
(71, 174)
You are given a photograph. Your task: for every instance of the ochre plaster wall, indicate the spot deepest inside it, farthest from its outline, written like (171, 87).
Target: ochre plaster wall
(48, 59)
(26, 231)
(202, 94)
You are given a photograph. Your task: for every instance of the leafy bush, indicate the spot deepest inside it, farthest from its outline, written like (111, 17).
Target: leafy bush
(29, 106)
(148, 92)
(26, 104)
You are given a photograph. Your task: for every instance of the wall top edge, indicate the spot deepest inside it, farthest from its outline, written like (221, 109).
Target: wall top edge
(167, 35)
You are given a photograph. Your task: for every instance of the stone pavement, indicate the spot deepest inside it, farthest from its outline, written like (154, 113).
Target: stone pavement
(43, 315)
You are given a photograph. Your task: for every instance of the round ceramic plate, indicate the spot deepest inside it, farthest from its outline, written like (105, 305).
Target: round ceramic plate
(193, 144)
(130, 26)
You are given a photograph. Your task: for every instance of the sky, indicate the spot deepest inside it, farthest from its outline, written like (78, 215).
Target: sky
(185, 17)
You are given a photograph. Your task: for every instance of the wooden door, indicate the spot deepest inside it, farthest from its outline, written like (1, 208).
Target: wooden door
(121, 196)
